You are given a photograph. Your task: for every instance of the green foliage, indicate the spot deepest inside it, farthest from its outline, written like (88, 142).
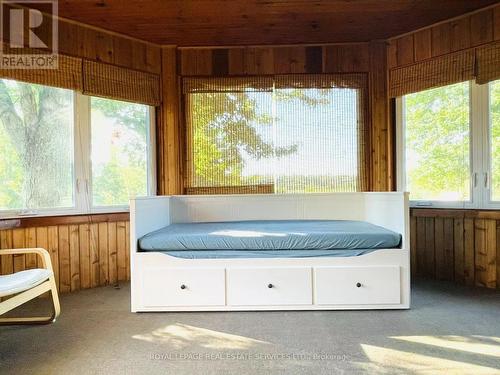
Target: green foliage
(224, 127)
(124, 175)
(437, 143)
(495, 139)
(36, 149)
(116, 183)
(36, 133)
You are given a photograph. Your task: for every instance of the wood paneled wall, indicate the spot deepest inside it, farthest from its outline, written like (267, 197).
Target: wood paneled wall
(444, 38)
(86, 251)
(75, 39)
(369, 58)
(169, 129)
(264, 60)
(459, 245)
(94, 44)
(456, 245)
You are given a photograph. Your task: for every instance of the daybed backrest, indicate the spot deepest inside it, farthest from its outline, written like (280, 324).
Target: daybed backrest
(203, 208)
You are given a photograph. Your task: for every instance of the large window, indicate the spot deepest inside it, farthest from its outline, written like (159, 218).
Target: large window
(494, 136)
(64, 152)
(36, 147)
(292, 135)
(119, 151)
(449, 146)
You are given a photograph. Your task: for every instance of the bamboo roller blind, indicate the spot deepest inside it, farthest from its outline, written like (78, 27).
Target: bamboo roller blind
(111, 81)
(282, 134)
(441, 71)
(488, 63)
(481, 63)
(227, 84)
(93, 78)
(68, 75)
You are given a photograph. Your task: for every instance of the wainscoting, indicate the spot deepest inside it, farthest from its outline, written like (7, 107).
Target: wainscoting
(89, 251)
(456, 245)
(86, 251)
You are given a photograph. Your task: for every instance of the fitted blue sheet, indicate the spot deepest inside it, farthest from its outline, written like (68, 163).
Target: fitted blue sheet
(276, 238)
(231, 254)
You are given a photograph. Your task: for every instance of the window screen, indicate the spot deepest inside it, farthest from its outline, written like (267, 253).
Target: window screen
(285, 134)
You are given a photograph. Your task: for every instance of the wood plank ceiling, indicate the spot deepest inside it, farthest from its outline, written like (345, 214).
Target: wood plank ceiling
(258, 22)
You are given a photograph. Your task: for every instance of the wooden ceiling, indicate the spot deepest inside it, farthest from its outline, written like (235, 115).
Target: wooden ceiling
(254, 22)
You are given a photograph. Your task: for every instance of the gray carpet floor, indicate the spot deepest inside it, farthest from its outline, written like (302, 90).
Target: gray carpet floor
(450, 329)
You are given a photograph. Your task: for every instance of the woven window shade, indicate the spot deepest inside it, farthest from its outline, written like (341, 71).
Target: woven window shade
(321, 81)
(436, 72)
(114, 82)
(488, 63)
(332, 136)
(68, 75)
(283, 134)
(227, 84)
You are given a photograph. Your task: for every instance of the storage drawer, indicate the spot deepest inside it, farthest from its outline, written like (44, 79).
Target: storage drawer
(184, 287)
(357, 285)
(269, 286)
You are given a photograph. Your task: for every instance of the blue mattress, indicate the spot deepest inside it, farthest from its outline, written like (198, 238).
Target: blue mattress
(232, 254)
(276, 238)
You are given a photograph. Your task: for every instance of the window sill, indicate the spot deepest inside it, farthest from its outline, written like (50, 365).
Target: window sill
(482, 213)
(62, 219)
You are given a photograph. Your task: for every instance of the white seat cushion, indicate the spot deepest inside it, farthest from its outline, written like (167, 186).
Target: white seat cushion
(23, 280)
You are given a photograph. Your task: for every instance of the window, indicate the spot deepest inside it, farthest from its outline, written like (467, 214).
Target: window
(62, 152)
(36, 147)
(494, 136)
(443, 154)
(119, 151)
(282, 135)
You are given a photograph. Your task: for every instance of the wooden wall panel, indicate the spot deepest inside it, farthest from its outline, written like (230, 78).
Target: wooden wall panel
(456, 245)
(460, 34)
(381, 135)
(481, 27)
(496, 23)
(83, 255)
(347, 58)
(262, 60)
(422, 45)
(168, 132)
(444, 38)
(88, 42)
(458, 250)
(405, 50)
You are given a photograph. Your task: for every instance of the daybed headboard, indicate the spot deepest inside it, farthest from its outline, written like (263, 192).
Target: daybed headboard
(387, 209)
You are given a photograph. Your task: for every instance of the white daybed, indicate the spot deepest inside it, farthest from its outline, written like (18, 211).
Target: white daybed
(378, 280)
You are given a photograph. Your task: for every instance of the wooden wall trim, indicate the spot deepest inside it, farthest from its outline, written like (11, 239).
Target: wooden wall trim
(455, 213)
(29, 222)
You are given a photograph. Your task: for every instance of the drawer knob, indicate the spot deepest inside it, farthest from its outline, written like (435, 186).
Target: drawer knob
(358, 285)
(270, 286)
(183, 286)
